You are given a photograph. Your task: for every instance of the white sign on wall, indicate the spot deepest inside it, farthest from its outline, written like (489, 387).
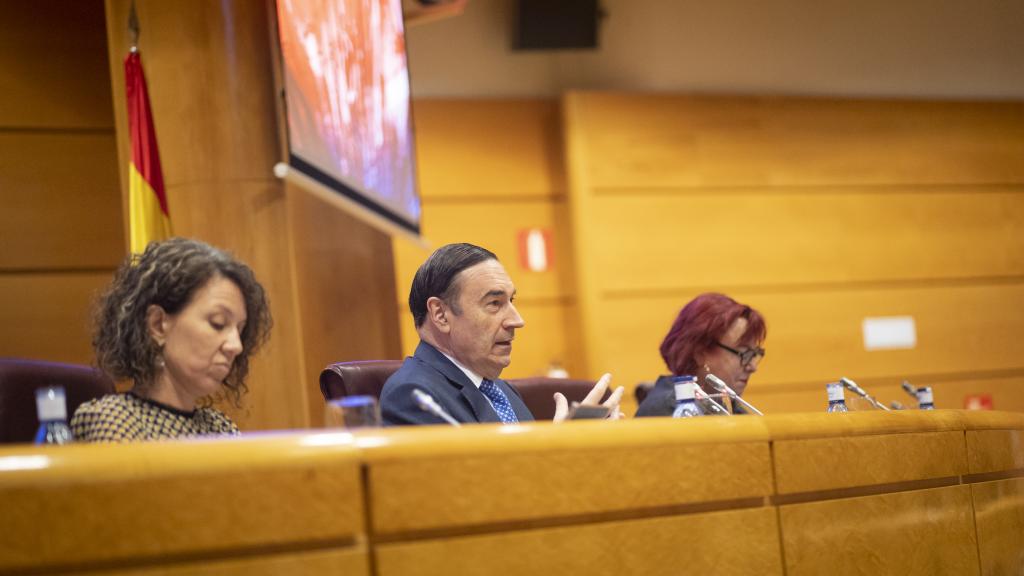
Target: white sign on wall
(889, 333)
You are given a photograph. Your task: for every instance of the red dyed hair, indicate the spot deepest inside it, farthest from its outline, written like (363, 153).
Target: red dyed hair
(700, 324)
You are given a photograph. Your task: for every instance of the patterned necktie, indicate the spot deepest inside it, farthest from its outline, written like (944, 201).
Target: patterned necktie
(499, 401)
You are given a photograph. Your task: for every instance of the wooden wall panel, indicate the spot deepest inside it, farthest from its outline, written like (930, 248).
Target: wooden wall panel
(210, 75)
(488, 169)
(636, 140)
(818, 213)
(784, 237)
(475, 149)
(493, 225)
(61, 201)
(60, 223)
(53, 54)
(346, 297)
(815, 336)
(48, 316)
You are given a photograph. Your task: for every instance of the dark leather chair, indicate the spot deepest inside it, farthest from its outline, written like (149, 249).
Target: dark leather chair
(367, 377)
(19, 380)
(360, 378)
(538, 393)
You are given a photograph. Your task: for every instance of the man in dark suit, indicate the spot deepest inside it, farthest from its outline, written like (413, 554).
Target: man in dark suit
(462, 303)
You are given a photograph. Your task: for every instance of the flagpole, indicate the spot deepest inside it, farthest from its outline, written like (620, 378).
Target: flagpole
(133, 29)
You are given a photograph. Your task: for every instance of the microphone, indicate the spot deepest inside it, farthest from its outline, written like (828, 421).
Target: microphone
(715, 406)
(852, 387)
(909, 389)
(427, 403)
(724, 388)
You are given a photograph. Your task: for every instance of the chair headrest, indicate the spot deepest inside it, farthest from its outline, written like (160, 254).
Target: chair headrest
(360, 378)
(19, 379)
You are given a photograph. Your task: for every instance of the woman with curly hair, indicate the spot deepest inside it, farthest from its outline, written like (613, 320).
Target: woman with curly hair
(713, 334)
(180, 322)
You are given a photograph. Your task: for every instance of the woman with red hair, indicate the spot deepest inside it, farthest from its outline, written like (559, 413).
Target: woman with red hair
(712, 334)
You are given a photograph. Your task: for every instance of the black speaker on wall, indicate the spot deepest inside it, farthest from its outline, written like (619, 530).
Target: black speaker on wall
(557, 24)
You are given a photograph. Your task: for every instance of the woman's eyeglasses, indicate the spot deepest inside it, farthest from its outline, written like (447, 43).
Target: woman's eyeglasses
(746, 355)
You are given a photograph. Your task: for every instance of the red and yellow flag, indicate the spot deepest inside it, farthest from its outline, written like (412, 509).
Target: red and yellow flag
(147, 200)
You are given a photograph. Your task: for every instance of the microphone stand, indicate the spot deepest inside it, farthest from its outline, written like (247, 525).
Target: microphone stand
(852, 387)
(427, 403)
(721, 386)
(909, 389)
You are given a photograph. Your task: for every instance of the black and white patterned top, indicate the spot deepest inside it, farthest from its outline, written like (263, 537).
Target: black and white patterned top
(129, 418)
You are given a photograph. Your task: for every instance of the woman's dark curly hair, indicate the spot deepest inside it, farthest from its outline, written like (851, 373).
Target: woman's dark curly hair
(168, 274)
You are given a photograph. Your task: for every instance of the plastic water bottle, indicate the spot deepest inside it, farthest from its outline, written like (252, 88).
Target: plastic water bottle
(836, 399)
(53, 416)
(924, 398)
(686, 404)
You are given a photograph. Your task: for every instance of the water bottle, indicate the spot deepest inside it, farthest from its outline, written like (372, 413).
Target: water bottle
(686, 404)
(53, 416)
(924, 398)
(836, 399)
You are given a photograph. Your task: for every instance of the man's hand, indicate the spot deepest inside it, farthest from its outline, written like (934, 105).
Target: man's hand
(595, 395)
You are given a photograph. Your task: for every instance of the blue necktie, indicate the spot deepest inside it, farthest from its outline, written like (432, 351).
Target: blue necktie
(499, 401)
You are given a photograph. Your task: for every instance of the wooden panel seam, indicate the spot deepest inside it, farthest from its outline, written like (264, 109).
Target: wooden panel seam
(974, 527)
(556, 197)
(778, 510)
(61, 271)
(858, 491)
(371, 540)
(832, 189)
(62, 130)
(788, 288)
(572, 520)
(980, 477)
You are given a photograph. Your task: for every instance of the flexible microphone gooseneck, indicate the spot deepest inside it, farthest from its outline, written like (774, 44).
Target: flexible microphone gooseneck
(427, 403)
(715, 406)
(722, 387)
(852, 387)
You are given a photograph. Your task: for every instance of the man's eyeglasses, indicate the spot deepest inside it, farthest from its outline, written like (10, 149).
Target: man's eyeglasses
(746, 355)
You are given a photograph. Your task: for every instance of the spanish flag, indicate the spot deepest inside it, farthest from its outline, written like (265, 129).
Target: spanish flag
(147, 200)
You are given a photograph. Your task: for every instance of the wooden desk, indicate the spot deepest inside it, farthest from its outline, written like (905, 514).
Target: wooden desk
(247, 507)
(862, 493)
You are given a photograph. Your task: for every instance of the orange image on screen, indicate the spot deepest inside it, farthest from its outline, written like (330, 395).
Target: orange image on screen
(347, 86)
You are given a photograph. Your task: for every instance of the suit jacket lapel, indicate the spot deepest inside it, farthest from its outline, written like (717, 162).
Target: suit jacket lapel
(479, 403)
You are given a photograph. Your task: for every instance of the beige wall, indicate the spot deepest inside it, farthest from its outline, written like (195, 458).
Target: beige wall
(60, 223)
(911, 48)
